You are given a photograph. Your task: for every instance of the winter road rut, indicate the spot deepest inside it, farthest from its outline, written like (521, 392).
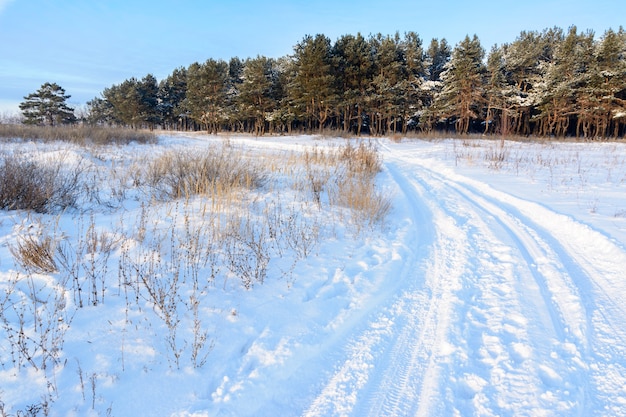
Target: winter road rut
(505, 308)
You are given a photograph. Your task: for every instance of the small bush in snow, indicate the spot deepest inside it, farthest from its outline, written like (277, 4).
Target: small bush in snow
(180, 174)
(41, 186)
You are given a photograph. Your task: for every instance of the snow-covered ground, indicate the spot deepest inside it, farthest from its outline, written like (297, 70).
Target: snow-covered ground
(496, 287)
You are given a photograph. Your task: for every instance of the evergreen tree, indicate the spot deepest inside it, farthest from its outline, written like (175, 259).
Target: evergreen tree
(389, 84)
(207, 93)
(47, 106)
(312, 88)
(437, 56)
(612, 69)
(354, 68)
(123, 101)
(415, 90)
(527, 61)
(236, 120)
(564, 80)
(100, 112)
(258, 92)
(285, 113)
(171, 100)
(497, 119)
(148, 95)
(462, 97)
(602, 102)
(128, 102)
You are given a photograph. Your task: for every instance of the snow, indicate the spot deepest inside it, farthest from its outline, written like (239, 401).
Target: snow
(495, 287)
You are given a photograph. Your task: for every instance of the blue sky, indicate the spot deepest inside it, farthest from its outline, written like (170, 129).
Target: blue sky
(88, 45)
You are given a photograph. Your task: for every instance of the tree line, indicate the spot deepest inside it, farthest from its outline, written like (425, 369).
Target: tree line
(553, 82)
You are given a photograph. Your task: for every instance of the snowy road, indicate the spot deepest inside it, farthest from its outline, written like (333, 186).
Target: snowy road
(495, 287)
(504, 307)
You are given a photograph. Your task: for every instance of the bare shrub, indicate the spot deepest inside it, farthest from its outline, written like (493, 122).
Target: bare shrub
(41, 186)
(290, 228)
(180, 174)
(363, 158)
(247, 251)
(31, 410)
(347, 176)
(169, 269)
(34, 318)
(497, 155)
(368, 206)
(85, 264)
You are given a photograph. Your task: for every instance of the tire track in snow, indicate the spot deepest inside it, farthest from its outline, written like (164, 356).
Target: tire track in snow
(409, 383)
(504, 310)
(521, 277)
(492, 371)
(408, 339)
(580, 275)
(589, 293)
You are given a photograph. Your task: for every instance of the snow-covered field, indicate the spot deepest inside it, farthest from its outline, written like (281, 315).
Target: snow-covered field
(496, 286)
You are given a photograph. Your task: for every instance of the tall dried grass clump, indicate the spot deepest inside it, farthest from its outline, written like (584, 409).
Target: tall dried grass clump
(81, 135)
(41, 186)
(346, 177)
(35, 253)
(363, 159)
(368, 205)
(183, 174)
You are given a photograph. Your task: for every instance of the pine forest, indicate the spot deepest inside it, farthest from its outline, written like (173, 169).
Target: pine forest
(550, 83)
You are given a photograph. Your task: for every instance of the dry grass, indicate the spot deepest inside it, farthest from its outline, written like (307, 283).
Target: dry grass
(346, 177)
(368, 206)
(35, 253)
(363, 159)
(43, 187)
(81, 135)
(183, 174)
(202, 217)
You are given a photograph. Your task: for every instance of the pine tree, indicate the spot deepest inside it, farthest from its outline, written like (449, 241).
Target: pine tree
(312, 88)
(285, 113)
(462, 97)
(389, 84)
(497, 118)
(148, 94)
(47, 106)
(564, 83)
(258, 92)
(236, 120)
(415, 96)
(436, 58)
(171, 100)
(527, 60)
(603, 104)
(100, 112)
(207, 93)
(354, 68)
(125, 101)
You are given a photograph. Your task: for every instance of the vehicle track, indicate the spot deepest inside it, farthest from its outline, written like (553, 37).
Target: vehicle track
(578, 272)
(584, 280)
(417, 320)
(505, 310)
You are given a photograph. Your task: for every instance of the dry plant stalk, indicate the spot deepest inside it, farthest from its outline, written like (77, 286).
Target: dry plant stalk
(81, 134)
(35, 254)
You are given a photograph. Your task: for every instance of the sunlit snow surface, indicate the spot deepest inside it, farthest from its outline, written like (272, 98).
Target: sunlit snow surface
(496, 287)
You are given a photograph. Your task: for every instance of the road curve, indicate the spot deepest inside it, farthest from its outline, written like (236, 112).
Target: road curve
(505, 308)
